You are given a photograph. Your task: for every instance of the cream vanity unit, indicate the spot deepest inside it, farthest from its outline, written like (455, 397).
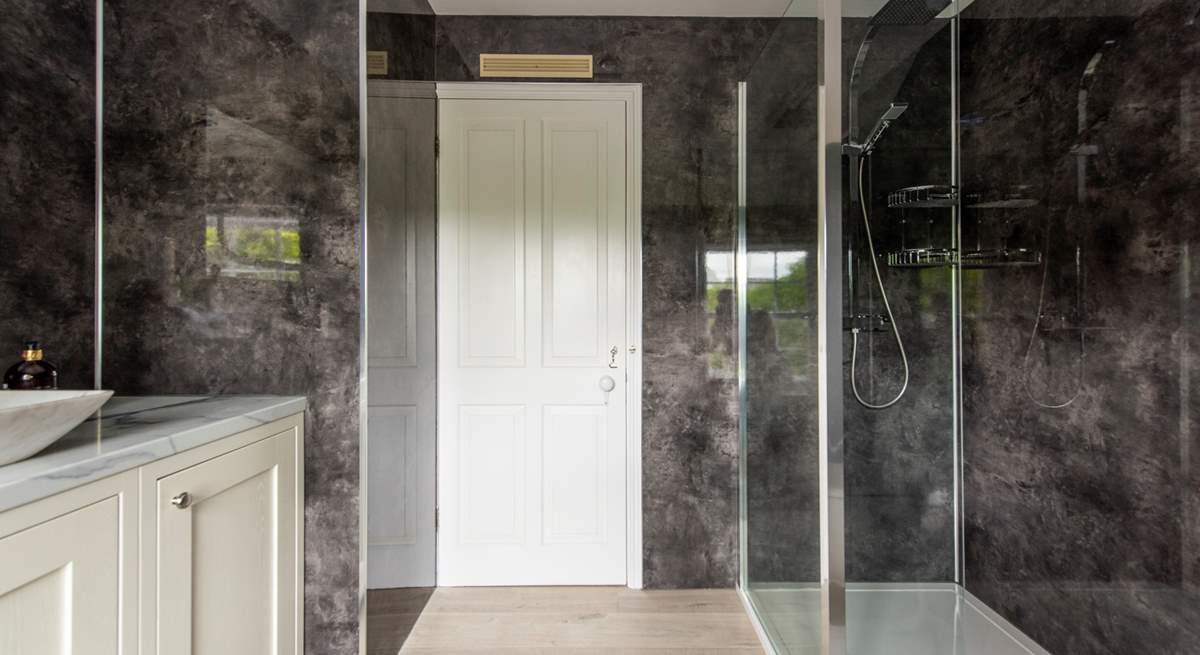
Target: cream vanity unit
(170, 526)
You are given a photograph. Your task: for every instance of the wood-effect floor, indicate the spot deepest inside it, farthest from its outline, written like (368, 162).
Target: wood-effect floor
(568, 620)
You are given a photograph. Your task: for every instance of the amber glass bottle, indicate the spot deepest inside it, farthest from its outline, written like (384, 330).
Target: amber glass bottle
(32, 372)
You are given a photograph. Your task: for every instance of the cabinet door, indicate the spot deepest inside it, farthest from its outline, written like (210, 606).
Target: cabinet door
(64, 597)
(227, 548)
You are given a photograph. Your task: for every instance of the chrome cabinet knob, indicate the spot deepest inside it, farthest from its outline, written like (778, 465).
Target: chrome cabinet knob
(182, 501)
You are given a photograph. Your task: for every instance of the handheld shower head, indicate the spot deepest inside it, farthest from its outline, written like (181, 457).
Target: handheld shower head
(893, 112)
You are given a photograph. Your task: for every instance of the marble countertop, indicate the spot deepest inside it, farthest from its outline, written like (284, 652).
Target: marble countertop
(129, 432)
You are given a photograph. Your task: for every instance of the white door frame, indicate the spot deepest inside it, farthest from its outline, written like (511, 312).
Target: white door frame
(631, 95)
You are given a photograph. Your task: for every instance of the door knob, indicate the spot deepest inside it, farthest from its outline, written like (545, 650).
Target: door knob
(607, 384)
(182, 501)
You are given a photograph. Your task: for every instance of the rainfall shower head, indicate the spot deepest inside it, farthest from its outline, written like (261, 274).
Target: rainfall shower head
(909, 12)
(893, 112)
(893, 12)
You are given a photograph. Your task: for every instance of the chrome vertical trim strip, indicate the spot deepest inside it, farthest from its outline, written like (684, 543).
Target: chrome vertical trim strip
(98, 287)
(740, 277)
(363, 140)
(742, 282)
(957, 436)
(829, 333)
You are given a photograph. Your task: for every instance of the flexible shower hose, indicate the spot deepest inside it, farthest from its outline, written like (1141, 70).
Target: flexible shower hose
(862, 201)
(1037, 324)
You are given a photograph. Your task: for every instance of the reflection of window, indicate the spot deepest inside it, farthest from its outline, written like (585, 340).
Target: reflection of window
(776, 299)
(777, 281)
(248, 242)
(721, 313)
(719, 275)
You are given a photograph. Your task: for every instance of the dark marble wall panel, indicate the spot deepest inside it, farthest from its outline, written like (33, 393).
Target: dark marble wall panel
(900, 460)
(1081, 520)
(232, 247)
(408, 38)
(689, 69)
(47, 183)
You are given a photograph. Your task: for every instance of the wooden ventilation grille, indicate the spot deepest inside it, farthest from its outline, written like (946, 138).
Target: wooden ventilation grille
(546, 66)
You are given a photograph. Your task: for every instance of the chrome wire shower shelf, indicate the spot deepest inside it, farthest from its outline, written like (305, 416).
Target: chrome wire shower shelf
(934, 257)
(921, 258)
(1000, 258)
(923, 197)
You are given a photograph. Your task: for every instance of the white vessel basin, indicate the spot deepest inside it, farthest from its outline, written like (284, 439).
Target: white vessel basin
(32, 420)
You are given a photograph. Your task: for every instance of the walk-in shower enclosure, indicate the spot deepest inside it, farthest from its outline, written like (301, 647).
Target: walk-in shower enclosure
(965, 281)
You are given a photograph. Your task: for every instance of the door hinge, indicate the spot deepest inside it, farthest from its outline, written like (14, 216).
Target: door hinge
(437, 518)
(437, 147)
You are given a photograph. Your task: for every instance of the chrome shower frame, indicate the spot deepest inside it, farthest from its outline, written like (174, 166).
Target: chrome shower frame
(831, 407)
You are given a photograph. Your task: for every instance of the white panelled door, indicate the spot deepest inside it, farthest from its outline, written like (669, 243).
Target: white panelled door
(532, 342)
(401, 356)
